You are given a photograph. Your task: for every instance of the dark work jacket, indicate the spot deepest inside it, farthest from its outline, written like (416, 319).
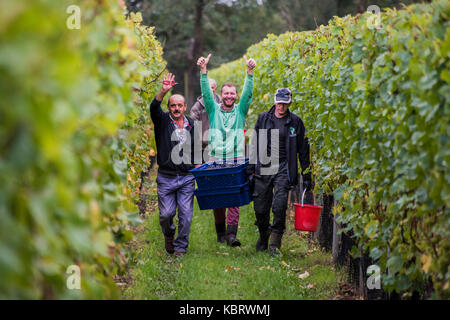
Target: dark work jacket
(296, 143)
(164, 128)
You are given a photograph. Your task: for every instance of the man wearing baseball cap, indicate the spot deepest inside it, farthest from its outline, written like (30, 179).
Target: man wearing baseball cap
(285, 139)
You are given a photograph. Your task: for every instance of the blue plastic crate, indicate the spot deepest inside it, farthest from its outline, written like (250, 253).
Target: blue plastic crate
(219, 174)
(236, 196)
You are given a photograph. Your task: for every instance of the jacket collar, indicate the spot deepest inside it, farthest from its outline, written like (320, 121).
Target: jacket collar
(272, 114)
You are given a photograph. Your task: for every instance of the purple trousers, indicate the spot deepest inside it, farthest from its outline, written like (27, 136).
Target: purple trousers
(232, 218)
(176, 192)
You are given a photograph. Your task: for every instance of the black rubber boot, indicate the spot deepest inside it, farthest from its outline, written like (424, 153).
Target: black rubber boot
(168, 243)
(221, 230)
(231, 236)
(263, 242)
(275, 243)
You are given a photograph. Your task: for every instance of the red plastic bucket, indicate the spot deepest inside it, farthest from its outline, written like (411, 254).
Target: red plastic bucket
(307, 216)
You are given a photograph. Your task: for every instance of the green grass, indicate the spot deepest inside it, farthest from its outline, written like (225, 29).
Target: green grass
(211, 270)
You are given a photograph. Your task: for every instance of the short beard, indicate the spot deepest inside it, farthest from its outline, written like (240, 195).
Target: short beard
(229, 106)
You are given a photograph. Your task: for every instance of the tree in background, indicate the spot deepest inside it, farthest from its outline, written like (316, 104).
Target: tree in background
(191, 28)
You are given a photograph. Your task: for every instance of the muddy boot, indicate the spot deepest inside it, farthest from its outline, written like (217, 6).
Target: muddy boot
(231, 236)
(168, 243)
(220, 230)
(263, 241)
(275, 243)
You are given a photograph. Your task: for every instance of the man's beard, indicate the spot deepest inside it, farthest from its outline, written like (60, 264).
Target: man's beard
(230, 105)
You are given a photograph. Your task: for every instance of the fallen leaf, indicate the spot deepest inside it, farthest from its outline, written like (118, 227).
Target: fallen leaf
(310, 286)
(270, 268)
(304, 275)
(222, 253)
(159, 253)
(284, 264)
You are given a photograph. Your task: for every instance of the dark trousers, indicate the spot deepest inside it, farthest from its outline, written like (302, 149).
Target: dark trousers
(271, 191)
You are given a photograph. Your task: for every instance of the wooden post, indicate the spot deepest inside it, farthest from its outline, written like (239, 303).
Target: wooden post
(324, 234)
(336, 240)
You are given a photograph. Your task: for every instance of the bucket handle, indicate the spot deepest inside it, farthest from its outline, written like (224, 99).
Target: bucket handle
(303, 195)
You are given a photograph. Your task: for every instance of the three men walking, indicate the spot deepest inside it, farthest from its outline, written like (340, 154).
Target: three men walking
(284, 142)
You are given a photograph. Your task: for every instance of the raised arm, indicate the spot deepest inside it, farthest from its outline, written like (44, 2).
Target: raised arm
(247, 93)
(208, 96)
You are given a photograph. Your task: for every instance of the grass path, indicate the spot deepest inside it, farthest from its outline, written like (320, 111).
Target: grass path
(212, 270)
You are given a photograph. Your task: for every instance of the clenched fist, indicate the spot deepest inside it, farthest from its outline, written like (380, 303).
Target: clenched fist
(202, 62)
(251, 64)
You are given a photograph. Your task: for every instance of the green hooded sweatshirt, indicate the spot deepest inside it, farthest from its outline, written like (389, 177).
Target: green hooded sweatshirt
(226, 128)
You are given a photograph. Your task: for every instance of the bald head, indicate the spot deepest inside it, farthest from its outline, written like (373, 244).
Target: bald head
(176, 106)
(177, 97)
(213, 85)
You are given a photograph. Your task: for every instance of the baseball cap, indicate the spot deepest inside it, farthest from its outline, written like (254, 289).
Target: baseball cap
(283, 95)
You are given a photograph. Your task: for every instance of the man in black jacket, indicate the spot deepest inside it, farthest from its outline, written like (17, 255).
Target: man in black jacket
(174, 135)
(280, 137)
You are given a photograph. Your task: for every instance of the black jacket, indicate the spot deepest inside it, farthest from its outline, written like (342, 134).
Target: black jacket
(296, 143)
(164, 127)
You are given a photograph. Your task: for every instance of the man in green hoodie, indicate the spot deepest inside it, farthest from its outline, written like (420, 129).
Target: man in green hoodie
(226, 135)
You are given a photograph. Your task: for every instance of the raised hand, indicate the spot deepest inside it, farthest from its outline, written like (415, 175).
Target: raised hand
(168, 82)
(202, 62)
(251, 64)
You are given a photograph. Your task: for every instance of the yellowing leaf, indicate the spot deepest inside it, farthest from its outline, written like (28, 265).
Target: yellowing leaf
(426, 262)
